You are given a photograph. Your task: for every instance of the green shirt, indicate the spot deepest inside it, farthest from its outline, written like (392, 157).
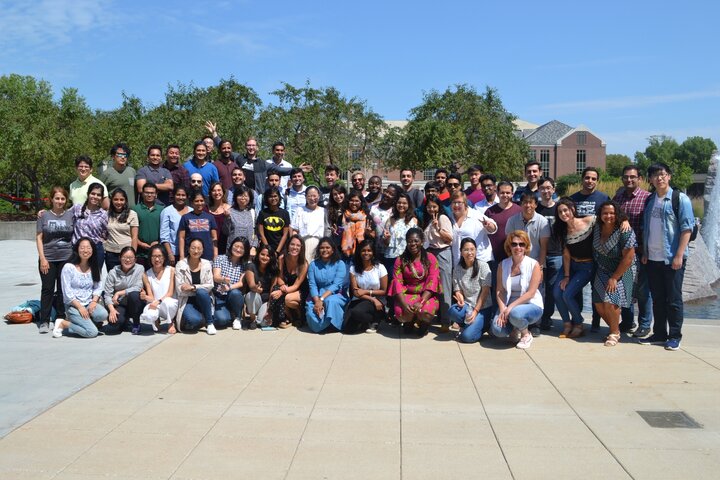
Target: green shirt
(124, 180)
(149, 229)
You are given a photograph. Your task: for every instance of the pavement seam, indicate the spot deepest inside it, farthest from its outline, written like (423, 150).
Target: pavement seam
(307, 422)
(577, 414)
(230, 404)
(400, 409)
(698, 358)
(482, 404)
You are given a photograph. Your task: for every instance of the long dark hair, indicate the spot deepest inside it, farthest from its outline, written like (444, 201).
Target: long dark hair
(301, 256)
(335, 257)
(357, 258)
(620, 216)
(94, 267)
(272, 268)
(121, 216)
(239, 190)
(357, 194)
(409, 215)
(93, 186)
(426, 219)
(160, 249)
(269, 191)
(560, 227)
(461, 262)
(407, 257)
(246, 251)
(334, 209)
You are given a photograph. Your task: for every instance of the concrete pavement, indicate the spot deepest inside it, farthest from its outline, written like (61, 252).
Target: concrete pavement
(291, 404)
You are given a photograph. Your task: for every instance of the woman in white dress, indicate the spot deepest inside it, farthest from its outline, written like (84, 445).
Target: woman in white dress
(159, 291)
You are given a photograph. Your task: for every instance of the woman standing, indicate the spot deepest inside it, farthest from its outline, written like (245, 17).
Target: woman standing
(336, 205)
(241, 222)
(310, 222)
(520, 303)
(368, 284)
(159, 291)
(356, 224)
(292, 283)
(81, 293)
(614, 254)
(123, 285)
(228, 273)
(472, 309)
(194, 283)
(260, 277)
(91, 221)
(122, 228)
(220, 210)
(438, 239)
(416, 285)
(54, 246)
(575, 235)
(326, 277)
(198, 225)
(466, 226)
(395, 230)
(170, 223)
(273, 222)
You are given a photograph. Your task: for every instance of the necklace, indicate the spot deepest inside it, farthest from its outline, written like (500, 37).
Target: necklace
(415, 274)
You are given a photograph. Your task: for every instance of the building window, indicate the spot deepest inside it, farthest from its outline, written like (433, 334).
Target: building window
(533, 156)
(580, 161)
(428, 175)
(545, 162)
(582, 138)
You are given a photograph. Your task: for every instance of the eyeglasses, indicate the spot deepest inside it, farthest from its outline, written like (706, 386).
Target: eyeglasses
(128, 259)
(157, 257)
(487, 185)
(517, 244)
(458, 203)
(660, 175)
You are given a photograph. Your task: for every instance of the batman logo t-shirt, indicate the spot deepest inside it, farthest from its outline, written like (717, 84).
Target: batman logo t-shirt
(273, 224)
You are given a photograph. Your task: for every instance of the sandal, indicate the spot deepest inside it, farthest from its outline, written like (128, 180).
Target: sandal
(284, 325)
(577, 332)
(566, 331)
(612, 340)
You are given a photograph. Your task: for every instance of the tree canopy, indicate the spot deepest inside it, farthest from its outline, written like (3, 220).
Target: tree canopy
(691, 156)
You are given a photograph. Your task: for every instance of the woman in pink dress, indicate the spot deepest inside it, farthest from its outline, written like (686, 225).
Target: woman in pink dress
(416, 285)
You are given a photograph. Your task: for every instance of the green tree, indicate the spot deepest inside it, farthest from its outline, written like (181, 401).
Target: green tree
(665, 149)
(460, 127)
(321, 126)
(614, 163)
(696, 152)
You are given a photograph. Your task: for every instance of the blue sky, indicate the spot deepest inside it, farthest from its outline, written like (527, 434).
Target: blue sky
(625, 69)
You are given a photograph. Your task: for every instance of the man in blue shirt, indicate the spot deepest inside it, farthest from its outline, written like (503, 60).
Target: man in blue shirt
(199, 164)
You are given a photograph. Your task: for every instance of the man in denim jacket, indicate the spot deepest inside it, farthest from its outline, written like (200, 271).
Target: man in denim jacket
(665, 253)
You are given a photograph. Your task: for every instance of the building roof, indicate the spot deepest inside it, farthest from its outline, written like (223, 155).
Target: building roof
(519, 124)
(547, 134)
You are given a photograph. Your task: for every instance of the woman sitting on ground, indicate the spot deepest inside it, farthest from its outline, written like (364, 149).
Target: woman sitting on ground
(326, 278)
(368, 284)
(472, 309)
(260, 277)
(228, 273)
(519, 301)
(123, 285)
(194, 284)
(614, 254)
(416, 285)
(159, 291)
(81, 293)
(293, 288)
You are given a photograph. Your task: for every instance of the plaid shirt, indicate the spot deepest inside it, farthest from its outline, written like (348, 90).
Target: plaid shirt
(227, 269)
(633, 204)
(180, 176)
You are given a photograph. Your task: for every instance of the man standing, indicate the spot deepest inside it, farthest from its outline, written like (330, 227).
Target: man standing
(441, 176)
(358, 182)
(500, 214)
(238, 179)
(632, 200)
(199, 164)
(148, 212)
(85, 178)
(407, 177)
(538, 230)
(153, 172)
(488, 183)
(295, 195)
(180, 175)
(225, 164)
(532, 175)
(120, 174)
(474, 192)
(278, 159)
(666, 237)
(553, 257)
(332, 175)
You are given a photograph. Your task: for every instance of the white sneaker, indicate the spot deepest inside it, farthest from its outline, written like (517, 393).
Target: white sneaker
(211, 329)
(57, 329)
(236, 324)
(525, 342)
(372, 328)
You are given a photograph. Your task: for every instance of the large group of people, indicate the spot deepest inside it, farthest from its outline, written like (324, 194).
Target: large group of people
(244, 243)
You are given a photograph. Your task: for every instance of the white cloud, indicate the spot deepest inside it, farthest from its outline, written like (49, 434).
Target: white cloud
(631, 102)
(47, 23)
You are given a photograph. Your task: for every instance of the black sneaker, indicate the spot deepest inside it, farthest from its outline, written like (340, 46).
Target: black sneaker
(546, 324)
(653, 339)
(641, 332)
(534, 330)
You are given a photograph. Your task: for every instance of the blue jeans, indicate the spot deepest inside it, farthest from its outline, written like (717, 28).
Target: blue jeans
(198, 310)
(521, 317)
(100, 251)
(229, 308)
(85, 327)
(644, 299)
(112, 260)
(493, 264)
(553, 269)
(566, 301)
(470, 333)
(666, 290)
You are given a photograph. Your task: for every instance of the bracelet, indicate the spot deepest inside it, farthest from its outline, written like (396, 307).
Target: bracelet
(371, 293)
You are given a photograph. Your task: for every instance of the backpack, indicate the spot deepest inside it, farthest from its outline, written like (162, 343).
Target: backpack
(676, 210)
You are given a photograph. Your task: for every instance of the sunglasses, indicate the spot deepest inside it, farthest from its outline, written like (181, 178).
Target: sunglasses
(517, 244)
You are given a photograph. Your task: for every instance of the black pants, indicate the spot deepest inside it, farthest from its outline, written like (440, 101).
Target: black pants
(360, 314)
(51, 291)
(129, 310)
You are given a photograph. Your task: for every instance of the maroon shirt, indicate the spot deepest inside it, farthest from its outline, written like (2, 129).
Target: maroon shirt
(225, 172)
(501, 217)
